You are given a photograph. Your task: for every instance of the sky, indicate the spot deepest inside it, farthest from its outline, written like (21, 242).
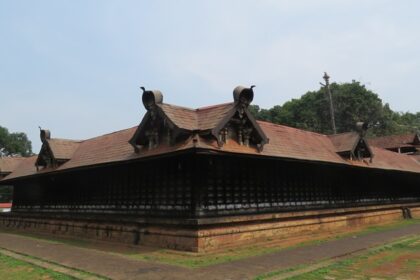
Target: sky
(75, 67)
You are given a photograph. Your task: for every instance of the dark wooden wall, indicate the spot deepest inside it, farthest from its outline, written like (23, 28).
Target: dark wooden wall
(249, 185)
(211, 185)
(154, 187)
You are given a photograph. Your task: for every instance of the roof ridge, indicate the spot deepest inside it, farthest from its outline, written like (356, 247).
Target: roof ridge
(106, 134)
(341, 133)
(199, 108)
(64, 139)
(295, 128)
(181, 107)
(213, 106)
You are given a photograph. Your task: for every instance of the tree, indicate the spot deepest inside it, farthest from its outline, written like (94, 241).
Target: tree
(16, 143)
(353, 102)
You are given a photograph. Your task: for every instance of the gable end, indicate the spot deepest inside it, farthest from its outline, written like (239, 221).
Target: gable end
(239, 124)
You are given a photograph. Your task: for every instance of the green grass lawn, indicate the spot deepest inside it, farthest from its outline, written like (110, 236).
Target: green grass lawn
(13, 269)
(397, 260)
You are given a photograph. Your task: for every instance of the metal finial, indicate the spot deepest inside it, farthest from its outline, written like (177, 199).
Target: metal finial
(143, 89)
(326, 77)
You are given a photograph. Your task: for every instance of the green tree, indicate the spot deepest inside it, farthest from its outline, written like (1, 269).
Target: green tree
(16, 143)
(353, 102)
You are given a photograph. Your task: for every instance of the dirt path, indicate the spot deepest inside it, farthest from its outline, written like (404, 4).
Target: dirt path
(119, 267)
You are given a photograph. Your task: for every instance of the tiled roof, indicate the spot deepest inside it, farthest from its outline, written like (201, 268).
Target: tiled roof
(344, 142)
(103, 149)
(384, 159)
(209, 117)
(114, 147)
(196, 119)
(295, 143)
(63, 148)
(393, 141)
(182, 117)
(26, 167)
(9, 164)
(284, 142)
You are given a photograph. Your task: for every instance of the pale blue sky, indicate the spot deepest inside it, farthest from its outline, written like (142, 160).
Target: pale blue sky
(75, 67)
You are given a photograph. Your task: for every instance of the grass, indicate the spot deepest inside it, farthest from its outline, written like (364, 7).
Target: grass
(397, 259)
(80, 273)
(12, 269)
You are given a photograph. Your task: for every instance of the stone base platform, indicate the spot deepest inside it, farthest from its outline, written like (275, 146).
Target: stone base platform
(204, 234)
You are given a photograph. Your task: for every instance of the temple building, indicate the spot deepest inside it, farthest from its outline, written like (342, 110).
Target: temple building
(201, 179)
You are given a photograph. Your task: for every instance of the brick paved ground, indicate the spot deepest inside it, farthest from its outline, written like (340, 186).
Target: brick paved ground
(117, 266)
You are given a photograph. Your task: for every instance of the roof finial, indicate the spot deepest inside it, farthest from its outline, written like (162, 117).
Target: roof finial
(45, 134)
(362, 127)
(151, 98)
(243, 95)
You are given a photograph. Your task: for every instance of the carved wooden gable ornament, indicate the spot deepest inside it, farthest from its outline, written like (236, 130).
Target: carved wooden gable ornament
(361, 149)
(155, 127)
(45, 157)
(353, 145)
(239, 124)
(169, 124)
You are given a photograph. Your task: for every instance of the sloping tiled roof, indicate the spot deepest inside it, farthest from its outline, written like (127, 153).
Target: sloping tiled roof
(393, 141)
(209, 117)
(344, 142)
(63, 148)
(9, 164)
(113, 147)
(103, 149)
(182, 117)
(295, 143)
(385, 159)
(284, 142)
(196, 119)
(26, 167)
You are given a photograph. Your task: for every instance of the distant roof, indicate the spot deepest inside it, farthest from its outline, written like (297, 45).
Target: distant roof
(9, 164)
(25, 167)
(395, 141)
(5, 205)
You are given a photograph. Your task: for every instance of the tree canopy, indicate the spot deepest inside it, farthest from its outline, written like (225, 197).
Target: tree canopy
(16, 143)
(353, 102)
